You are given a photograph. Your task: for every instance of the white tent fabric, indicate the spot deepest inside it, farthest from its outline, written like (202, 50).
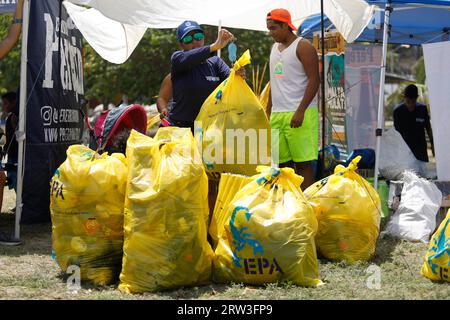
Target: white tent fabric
(113, 41)
(437, 66)
(122, 22)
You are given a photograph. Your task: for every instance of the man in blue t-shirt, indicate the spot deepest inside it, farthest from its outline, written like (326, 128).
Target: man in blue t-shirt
(196, 71)
(411, 119)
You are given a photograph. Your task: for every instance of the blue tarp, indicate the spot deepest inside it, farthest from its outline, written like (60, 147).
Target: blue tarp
(412, 22)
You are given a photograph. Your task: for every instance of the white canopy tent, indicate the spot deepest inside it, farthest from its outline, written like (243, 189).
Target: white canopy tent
(442, 6)
(114, 29)
(413, 22)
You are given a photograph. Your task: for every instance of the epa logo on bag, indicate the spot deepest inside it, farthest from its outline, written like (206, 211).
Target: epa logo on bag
(261, 266)
(242, 238)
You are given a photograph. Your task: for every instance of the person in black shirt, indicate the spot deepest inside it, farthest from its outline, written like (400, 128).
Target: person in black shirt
(10, 149)
(5, 47)
(411, 119)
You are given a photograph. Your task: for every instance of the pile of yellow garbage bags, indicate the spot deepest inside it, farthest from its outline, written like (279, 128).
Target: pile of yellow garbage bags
(348, 212)
(262, 226)
(87, 207)
(143, 219)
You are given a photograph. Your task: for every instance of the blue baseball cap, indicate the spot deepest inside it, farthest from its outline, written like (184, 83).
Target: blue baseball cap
(186, 27)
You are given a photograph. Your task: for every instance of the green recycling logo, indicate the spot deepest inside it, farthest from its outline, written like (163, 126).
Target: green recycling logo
(279, 70)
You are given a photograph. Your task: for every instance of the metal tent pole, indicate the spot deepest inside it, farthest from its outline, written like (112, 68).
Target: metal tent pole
(322, 100)
(20, 134)
(380, 119)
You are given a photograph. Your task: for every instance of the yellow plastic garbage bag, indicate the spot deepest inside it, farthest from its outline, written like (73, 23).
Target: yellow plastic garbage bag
(349, 212)
(87, 197)
(232, 129)
(267, 233)
(437, 259)
(153, 121)
(229, 185)
(264, 96)
(166, 211)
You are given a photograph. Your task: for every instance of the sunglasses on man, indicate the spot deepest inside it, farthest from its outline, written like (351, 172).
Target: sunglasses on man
(197, 36)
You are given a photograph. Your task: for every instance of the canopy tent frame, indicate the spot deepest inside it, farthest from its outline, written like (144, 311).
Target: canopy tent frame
(439, 33)
(380, 116)
(322, 84)
(381, 103)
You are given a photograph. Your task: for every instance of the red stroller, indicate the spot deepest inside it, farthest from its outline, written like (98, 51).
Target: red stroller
(113, 127)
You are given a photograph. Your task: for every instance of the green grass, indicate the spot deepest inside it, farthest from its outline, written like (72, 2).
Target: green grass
(28, 272)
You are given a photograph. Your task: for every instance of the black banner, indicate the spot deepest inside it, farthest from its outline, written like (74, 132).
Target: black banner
(55, 91)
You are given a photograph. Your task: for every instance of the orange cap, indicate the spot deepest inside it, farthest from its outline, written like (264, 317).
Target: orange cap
(281, 15)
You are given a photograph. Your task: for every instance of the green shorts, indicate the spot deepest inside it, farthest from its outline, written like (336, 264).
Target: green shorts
(297, 144)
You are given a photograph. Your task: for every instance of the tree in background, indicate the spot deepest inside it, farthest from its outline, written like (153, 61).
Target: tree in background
(140, 77)
(410, 62)
(419, 70)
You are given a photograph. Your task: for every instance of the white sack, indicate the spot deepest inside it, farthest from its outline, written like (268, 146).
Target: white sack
(396, 156)
(415, 218)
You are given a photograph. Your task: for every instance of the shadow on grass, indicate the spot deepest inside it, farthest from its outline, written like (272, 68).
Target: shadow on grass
(384, 252)
(385, 249)
(207, 291)
(229, 289)
(36, 238)
(195, 292)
